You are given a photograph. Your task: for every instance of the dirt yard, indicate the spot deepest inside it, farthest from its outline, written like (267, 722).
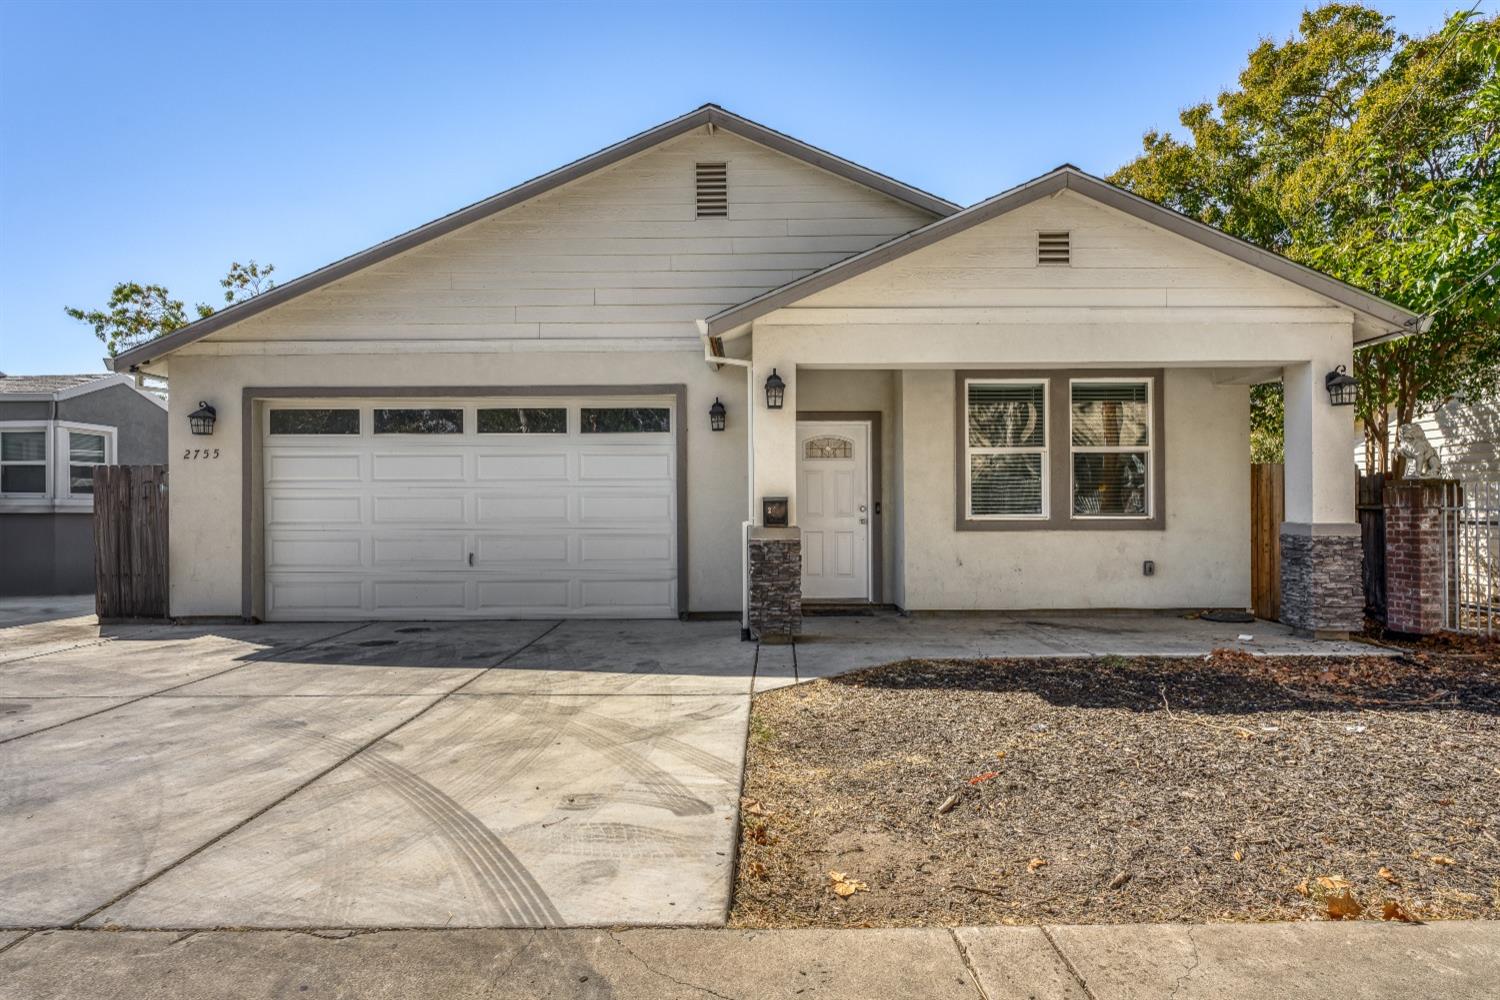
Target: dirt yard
(1113, 790)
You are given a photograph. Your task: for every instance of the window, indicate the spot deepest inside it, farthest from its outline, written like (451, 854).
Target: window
(1005, 450)
(314, 421)
(425, 421)
(1110, 440)
(523, 420)
(85, 451)
(23, 462)
(625, 420)
(828, 447)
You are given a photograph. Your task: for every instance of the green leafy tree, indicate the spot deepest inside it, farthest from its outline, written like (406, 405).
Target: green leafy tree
(137, 313)
(1373, 157)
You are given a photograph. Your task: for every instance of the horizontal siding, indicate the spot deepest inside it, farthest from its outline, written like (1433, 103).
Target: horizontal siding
(1117, 260)
(1466, 436)
(616, 254)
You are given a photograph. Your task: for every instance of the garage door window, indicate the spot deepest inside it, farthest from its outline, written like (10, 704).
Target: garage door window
(524, 420)
(425, 421)
(314, 421)
(626, 420)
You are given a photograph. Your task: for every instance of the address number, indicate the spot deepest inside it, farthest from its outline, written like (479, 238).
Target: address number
(188, 454)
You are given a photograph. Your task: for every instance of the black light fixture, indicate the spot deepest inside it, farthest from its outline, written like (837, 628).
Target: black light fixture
(775, 391)
(202, 419)
(716, 415)
(1341, 386)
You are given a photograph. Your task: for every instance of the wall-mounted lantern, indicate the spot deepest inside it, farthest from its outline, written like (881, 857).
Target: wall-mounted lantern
(775, 391)
(202, 419)
(773, 511)
(716, 415)
(1341, 386)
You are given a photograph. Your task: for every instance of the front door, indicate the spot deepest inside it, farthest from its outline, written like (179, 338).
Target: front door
(833, 499)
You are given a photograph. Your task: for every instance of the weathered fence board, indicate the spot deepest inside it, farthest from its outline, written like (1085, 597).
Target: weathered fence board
(1267, 510)
(130, 541)
(1370, 505)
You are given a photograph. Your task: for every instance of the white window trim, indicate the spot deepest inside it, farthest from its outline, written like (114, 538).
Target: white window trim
(64, 452)
(49, 443)
(58, 495)
(1045, 451)
(1149, 449)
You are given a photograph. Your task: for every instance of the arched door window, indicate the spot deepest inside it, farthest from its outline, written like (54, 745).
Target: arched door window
(828, 446)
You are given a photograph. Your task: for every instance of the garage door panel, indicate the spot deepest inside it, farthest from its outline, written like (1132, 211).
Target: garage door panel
(510, 468)
(501, 524)
(523, 549)
(395, 509)
(418, 468)
(426, 550)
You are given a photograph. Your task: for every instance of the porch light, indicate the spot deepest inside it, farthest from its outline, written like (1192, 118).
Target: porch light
(202, 419)
(1341, 386)
(775, 391)
(716, 415)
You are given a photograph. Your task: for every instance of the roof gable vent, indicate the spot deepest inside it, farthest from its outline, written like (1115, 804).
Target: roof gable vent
(713, 190)
(1053, 248)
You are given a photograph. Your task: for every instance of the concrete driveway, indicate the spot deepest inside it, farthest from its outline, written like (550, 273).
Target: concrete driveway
(486, 774)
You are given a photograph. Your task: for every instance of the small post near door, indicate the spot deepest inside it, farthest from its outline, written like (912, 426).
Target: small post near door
(834, 509)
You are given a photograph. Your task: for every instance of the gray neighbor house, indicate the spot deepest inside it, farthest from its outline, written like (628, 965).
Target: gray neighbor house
(53, 430)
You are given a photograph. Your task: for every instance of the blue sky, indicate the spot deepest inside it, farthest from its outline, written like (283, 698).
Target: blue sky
(158, 142)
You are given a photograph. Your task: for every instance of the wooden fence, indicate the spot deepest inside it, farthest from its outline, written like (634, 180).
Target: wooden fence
(1370, 505)
(1267, 511)
(130, 541)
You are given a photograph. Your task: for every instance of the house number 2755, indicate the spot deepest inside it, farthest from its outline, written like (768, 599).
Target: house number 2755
(191, 453)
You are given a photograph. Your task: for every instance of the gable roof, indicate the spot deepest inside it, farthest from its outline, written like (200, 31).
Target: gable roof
(708, 114)
(735, 319)
(34, 388)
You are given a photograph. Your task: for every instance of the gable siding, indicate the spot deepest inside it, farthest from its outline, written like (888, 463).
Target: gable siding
(1117, 261)
(617, 254)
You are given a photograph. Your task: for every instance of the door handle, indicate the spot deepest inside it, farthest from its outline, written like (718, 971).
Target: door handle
(471, 558)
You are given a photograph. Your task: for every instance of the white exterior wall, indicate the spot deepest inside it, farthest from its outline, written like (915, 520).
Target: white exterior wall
(1202, 555)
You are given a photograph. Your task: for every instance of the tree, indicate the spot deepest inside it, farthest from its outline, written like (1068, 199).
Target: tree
(138, 313)
(1373, 157)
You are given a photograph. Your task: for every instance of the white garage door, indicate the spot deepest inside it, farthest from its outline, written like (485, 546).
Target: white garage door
(470, 509)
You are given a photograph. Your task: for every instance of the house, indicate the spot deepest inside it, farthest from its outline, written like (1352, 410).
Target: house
(1464, 432)
(1038, 401)
(53, 430)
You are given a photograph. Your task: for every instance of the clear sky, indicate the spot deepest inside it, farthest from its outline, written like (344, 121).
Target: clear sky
(158, 142)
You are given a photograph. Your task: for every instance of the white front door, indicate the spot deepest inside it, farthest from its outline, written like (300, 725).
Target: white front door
(833, 500)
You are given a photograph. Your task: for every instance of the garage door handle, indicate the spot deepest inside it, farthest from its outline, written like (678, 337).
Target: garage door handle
(471, 558)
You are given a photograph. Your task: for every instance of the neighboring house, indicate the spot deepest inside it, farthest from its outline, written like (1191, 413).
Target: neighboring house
(53, 430)
(1040, 401)
(1466, 434)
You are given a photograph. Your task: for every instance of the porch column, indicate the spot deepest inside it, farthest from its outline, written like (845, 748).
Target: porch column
(1321, 557)
(775, 434)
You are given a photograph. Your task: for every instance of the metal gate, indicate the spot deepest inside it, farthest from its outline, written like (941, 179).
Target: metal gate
(1471, 557)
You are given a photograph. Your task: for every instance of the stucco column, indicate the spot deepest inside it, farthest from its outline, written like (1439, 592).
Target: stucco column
(1321, 557)
(775, 432)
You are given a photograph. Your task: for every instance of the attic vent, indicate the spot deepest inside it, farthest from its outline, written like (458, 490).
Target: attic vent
(1052, 248)
(713, 190)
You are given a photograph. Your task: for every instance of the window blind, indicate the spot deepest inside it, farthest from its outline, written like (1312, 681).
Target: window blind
(1007, 415)
(1110, 415)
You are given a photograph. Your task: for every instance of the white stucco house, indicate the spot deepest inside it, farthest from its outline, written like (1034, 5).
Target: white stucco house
(1038, 401)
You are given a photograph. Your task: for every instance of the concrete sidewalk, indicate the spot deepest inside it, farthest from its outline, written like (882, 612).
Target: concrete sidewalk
(1456, 961)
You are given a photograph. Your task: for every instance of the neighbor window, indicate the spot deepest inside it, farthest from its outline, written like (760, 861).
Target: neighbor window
(1110, 439)
(23, 462)
(1005, 451)
(625, 420)
(314, 421)
(523, 420)
(85, 451)
(426, 421)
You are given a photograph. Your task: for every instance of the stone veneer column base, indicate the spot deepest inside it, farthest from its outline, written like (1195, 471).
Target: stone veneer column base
(1322, 589)
(775, 584)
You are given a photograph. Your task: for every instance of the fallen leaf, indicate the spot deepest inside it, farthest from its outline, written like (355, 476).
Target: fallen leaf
(844, 886)
(999, 754)
(1036, 863)
(1238, 855)
(1119, 880)
(986, 776)
(1332, 883)
(1389, 876)
(1393, 910)
(1303, 889)
(1342, 906)
(1442, 859)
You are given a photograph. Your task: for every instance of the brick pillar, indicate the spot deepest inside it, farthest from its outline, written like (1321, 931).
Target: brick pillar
(775, 584)
(1322, 585)
(1414, 555)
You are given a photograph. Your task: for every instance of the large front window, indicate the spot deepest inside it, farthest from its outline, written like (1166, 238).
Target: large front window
(1111, 447)
(23, 462)
(1006, 450)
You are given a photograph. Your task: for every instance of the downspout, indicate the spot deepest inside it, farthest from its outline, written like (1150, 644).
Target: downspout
(749, 521)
